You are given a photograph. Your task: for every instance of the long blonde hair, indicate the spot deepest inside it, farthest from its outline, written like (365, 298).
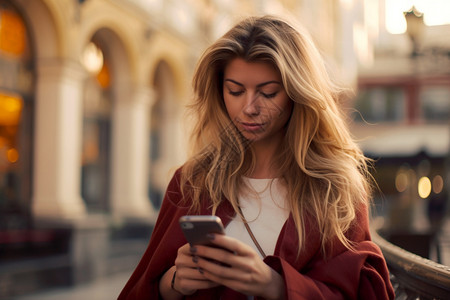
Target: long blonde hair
(324, 171)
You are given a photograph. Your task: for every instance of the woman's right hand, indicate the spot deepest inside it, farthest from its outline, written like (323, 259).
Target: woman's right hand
(188, 279)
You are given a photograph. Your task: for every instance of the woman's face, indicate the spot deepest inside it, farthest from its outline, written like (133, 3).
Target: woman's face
(256, 100)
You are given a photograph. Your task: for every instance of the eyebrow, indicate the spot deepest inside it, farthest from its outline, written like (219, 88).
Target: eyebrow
(258, 85)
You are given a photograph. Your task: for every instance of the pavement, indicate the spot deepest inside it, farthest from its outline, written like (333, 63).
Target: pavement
(107, 288)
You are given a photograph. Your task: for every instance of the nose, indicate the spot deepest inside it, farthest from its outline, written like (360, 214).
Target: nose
(252, 107)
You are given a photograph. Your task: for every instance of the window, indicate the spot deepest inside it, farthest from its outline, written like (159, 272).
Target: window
(95, 171)
(435, 104)
(16, 119)
(380, 104)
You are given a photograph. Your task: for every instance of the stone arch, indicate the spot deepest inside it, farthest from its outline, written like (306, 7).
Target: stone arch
(167, 75)
(175, 55)
(116, 53)
(163, 130)
(123, 44)
(41, 19)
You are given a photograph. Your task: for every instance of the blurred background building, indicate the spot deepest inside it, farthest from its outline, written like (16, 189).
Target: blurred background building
(93, 120)
(402, 119)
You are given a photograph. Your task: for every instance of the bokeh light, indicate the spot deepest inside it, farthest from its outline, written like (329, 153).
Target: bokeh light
(424, 187)
(401, 181)
(438, 184)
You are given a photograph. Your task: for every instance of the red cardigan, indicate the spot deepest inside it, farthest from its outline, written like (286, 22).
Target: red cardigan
(358, 274)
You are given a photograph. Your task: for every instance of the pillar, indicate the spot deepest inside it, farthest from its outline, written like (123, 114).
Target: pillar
(130, 155)
(58, 125)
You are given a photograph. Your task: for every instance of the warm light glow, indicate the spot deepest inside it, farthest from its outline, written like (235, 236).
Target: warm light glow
(347, 3)
(436, 12)
(12, 155)
(92, 58)
(438, 184)
(103, 77)
(424, 187)
(12, 33)
(10, 109)
(401, 182)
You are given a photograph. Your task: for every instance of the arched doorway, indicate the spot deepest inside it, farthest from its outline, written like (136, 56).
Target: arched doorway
(163, 132)
(16, 118)
(96, 137)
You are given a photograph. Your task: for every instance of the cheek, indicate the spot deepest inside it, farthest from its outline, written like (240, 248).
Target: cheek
(230, 107)
(289, 108)
(286, 111)
(284, 105)
(226, 104)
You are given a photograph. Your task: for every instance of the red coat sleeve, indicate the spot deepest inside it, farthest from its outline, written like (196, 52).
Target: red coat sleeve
(360, 273)
(165, 241)
(162, 250)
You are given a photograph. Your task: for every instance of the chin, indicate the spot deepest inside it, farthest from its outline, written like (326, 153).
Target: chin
(253, 137)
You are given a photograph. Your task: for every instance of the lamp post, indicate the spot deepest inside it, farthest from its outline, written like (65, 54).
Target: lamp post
(415, 28)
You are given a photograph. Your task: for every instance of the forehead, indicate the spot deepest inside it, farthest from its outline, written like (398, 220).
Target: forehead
(251, 72)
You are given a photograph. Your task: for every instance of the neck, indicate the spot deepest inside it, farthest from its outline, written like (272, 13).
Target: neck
(264, 155)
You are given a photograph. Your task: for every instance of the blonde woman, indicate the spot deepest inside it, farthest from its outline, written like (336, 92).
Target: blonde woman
(275, 161)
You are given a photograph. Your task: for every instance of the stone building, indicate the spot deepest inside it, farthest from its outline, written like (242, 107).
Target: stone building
(92, 120)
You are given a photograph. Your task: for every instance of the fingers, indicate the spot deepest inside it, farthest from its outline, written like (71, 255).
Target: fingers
(231, 252)
(246, 274)
(192, 279)
(235, 265)
(231, 244)
(239, 265)
(219, 272)
(188, 278)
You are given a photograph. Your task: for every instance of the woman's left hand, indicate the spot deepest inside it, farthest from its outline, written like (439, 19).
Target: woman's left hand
(238, 267)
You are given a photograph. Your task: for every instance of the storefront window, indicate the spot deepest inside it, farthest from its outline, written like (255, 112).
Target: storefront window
(435, 104)
(380, 104)
(16, 119)
(96, 131)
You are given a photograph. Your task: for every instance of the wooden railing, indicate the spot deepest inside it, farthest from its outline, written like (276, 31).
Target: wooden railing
(412, 276)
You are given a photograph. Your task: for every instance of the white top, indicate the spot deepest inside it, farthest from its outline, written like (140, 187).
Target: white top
(265, 210)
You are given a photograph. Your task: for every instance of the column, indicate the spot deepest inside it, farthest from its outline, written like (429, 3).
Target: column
(130, 155)
(57, 140)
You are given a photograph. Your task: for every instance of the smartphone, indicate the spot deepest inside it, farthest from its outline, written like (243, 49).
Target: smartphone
(196, 228)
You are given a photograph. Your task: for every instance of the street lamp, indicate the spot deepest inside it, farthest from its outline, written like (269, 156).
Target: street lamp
(415, 28)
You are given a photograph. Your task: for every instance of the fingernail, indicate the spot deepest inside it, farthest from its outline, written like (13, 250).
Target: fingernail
(200, 270)
(193, 249)
(195, 259)
(210, 236)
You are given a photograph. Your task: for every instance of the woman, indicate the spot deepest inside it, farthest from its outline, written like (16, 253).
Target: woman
(275, 161)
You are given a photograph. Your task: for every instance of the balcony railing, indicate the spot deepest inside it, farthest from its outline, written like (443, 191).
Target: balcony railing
(412, 276)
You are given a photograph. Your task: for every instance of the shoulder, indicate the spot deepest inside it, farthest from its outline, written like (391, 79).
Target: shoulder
(175, 181)
(179, 190)
(174, 194)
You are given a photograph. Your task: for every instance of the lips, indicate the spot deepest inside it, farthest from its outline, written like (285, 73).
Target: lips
(252, 126)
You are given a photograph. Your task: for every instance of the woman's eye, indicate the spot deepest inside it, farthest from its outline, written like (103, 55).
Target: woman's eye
(235, 93)
(268, 96)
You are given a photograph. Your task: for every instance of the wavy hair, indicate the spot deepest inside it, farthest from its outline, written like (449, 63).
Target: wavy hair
(324, 171)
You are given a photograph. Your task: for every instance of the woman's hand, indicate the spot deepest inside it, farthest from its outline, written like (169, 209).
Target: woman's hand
(238, 267)
(187, 278)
